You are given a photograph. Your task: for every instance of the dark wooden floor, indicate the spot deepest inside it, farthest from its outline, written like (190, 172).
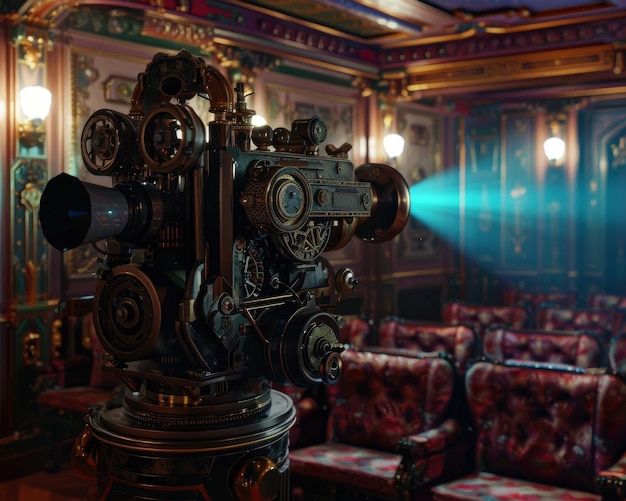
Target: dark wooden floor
(63, 485)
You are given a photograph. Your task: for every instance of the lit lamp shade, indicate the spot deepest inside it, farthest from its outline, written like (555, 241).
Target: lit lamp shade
(36, 101)
(394, 145)
(554, 149)
(258, 120)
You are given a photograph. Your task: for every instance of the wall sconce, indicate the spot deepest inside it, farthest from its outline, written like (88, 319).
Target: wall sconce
(554, 146)
(394, 145)
(35, 101)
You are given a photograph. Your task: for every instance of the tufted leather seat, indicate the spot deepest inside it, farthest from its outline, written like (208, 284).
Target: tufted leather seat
(459, 341)
(543, 432)
(480, 317)
(600, 322)
(389, 429)
(580, 348)
(617, 353)
(599, 301)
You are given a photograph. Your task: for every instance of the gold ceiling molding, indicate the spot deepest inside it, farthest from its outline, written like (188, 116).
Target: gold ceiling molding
(157, 25)
(496, 70)
(43, 13)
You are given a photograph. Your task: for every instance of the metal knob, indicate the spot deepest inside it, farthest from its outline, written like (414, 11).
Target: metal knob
(331, 367)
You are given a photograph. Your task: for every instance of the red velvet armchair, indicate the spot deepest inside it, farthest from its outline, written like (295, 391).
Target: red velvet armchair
(390, 430)
(617, 353)
(543, 432)
(533, 300)
(481, 317)
(579, 348)
(600, 301)
(458, 341)
(600, 322)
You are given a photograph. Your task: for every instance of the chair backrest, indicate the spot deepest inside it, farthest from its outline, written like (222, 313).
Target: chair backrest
(459, 341)
(356, 331)
(543, 423)
(481, 317)
(599, 301)
(534, 299)
(580, 348)
(383, 397)
(617, 353)
(600, 322)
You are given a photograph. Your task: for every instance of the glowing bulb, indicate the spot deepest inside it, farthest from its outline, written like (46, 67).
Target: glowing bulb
(36, 101)
(258, 120)
(394, 145)
(554, 149)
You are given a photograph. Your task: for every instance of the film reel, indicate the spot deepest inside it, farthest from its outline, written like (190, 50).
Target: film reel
(391, 204)
(171, 138)
(127, 313)
(108, 143)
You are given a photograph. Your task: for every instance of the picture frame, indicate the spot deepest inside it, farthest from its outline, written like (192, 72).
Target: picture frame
(420, 160)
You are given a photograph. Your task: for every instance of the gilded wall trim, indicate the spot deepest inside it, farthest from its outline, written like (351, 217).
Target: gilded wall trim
(485, 72)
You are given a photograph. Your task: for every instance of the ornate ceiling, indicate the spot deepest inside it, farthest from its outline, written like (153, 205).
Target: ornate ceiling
(408, 49)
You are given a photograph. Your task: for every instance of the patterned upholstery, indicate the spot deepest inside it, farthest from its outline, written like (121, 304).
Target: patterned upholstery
(600, 322)
(459, 341)
(617, 353)
(544, 432)
(480, 317)
(581, 348)
(600, 301)
(356, 331)
(389, 428)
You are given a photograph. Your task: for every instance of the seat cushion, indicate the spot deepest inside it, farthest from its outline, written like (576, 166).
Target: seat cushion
(345, 464)
(490, 487)
(77, 399)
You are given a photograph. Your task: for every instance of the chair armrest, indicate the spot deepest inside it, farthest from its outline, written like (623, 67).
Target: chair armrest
(429, 442)
(432, 456)
(612, 482)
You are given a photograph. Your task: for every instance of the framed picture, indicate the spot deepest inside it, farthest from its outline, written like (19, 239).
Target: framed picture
(420, 160)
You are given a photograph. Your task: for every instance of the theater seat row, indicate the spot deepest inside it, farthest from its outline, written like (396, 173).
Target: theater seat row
(507, 427)
(404, 426)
